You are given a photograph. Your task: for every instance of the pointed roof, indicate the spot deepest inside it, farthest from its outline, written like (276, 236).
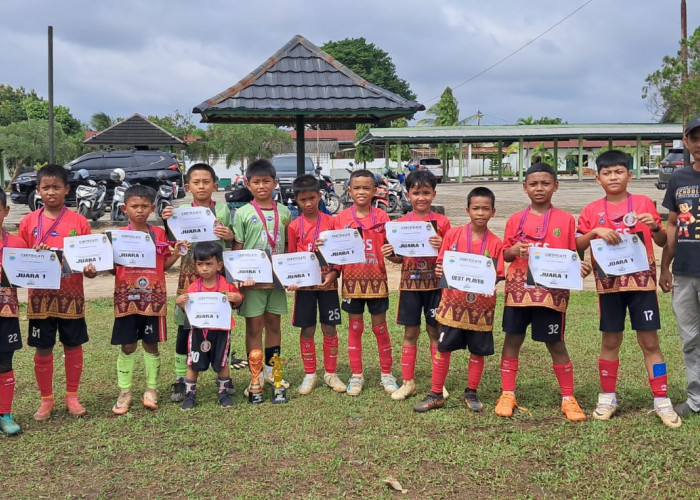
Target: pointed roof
(301, 79)
(135, 131)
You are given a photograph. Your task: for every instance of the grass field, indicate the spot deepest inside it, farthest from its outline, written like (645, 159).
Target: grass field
(333, 446)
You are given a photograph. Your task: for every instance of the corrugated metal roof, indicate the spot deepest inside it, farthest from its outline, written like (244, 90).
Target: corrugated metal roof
(312, 147)
(134, 131)
(301, 79)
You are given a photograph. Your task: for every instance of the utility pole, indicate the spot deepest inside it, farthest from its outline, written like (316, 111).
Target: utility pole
(51, 135)
(684, 75)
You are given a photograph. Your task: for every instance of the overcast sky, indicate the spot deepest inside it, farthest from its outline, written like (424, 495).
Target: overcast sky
(152, 57)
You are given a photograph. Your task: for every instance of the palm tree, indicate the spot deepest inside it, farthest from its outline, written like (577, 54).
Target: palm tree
(101, 121)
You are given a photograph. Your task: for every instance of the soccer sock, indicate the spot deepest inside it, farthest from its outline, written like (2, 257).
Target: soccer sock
(125, 370)
(223, 383)
(355, 329)
(269, 352)
(74, 368)
(180, 365)
(7, 391)
(441, 365)
(433, 352)
(408, 362)
(330, 353)
(381, 332)
(659, 381)
(152, 364)
(474, 371)
(509, 371)
(190, 386)
(608, 375)
(565, 377)
(43, 371)
(308, 355)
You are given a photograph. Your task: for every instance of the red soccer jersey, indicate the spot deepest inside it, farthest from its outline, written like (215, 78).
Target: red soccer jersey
(557, 231)
(140, 290)
(469, 311)
(221, 286)
(69, 301)
(418, 273)
(302, 235)
(602, 214)
(9, 305)
(368, 280)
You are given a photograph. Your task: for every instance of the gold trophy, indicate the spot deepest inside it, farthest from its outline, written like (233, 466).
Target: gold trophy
(255, 389)
(279, 392)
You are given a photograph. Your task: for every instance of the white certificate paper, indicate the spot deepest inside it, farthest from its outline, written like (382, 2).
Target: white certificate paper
(245, 264)
(343, 246)
(30, 268)
(79, 251)
(193, 224)
(410, 239)
(300, 268)
(469, 272)
(627, 257)
(208, 310)
(133, 249)
(555, 268)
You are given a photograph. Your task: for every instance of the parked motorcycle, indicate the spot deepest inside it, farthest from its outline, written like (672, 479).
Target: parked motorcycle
(330, 198)
(167, 191)
(90, 196)
(381, 196)
(117, 214)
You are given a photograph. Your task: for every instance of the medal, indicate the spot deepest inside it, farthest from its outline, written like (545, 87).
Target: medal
(471, 298)
(183, 250)
(630, 219)
(205, 346)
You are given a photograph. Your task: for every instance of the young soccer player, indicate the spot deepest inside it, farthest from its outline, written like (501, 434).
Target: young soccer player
(201, 182)
(262, 224)
(540, 225)
(620, 212)
(141, 303)
(419, 290)
(466, 318)
(209, 347)
(302, 234)
(366, 284)
(10, 339)
(52, 311)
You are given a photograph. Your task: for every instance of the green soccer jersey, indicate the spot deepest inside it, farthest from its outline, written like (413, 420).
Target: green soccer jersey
(253, 233)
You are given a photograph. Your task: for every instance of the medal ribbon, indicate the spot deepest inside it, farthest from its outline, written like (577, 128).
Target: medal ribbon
(40, 236)
(469, 240)
(617, 220)
(4, 244)
(272, 241)
(316, 231)
(373, 219)
(159, 244)
(522, 237)
(430, 216)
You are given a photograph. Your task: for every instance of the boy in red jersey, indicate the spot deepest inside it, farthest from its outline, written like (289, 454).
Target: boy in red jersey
(141, 303)
(419, 288)
(11, 339)
(466, 318)
(620, 212)
(63, 310)
(366, 284)
(539, 225)
(302, 234)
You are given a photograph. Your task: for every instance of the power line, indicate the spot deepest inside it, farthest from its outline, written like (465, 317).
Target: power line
(518, 49)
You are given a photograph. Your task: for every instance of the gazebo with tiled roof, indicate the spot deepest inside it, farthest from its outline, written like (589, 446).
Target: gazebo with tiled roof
(137, 132)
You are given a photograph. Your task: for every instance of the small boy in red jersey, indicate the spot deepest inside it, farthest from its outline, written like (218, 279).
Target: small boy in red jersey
(466, 318)
(620, 212)
(141, 303)
(419, 289)
(539, 225)
(366, 284)
(302, 234)
(11, 339)
(56, 311)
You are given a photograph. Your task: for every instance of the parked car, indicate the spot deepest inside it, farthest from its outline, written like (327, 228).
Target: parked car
(286, 167)
(140, 167)
(432, 164)
(672, 161)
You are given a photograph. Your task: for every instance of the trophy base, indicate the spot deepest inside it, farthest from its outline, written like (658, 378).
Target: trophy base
(255, 397)
(279, 395)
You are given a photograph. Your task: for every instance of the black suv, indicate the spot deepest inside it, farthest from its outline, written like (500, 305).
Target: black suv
(141, 167)
(286, 167)
(672, 161)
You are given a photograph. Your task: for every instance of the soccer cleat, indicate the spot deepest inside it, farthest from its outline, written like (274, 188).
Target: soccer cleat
(271, 381)
(664, 409)
(606, 407)
(44, 411)
(389, 383)
(150, 399)
(123, 403)
(333, 381)
(189, 402)
(570, 408)
(505, 404)
(73, 405)
(355, 385)
(471, 399)
(178, 391)
(445, 394)
(407, 389)
(431, 402)
(8, 425)
(308, 383)
(225, 400)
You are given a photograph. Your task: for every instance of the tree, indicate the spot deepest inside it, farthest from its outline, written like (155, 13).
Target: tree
(11, 109)
(542, 120)
(101, 121)
(27, 143)
(240, 141)
(405, 149)
(178, 124)
(363, 152)
(38, 109)
(665, 89)
(446, 114)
